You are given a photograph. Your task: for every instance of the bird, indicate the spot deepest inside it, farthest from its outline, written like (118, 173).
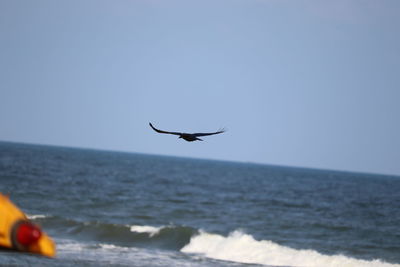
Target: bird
(190, 137)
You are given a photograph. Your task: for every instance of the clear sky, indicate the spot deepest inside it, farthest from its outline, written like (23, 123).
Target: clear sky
(307, 83)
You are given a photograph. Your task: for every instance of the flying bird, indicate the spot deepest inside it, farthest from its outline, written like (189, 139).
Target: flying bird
(190, 137)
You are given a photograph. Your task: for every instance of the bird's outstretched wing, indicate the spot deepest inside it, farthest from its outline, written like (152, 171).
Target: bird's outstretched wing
(205, 134)
(164, 132)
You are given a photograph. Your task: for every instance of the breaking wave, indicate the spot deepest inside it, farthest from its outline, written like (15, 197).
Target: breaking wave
(243, 248)
(151, 230)
(171, 237)
(236, 247)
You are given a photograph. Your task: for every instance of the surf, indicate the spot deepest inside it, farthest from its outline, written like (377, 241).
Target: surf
(237, 246)
(243, 248)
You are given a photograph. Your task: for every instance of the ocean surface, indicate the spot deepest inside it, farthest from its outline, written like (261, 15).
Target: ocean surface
(123, 209)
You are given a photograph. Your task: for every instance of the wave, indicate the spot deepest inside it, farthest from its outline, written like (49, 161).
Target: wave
(243, 248)
(236, 247)
(170, 237)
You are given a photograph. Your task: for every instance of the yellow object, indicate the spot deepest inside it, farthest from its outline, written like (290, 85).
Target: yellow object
(10, 218)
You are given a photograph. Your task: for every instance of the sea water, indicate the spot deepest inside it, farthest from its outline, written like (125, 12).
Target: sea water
(123, 209)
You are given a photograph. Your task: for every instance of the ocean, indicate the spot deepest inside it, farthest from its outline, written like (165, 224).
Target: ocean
(107, 208)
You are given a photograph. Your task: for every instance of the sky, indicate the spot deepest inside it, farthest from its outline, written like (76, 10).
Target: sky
(305, 83)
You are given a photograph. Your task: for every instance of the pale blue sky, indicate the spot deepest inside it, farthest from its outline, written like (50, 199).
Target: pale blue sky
(307, 83)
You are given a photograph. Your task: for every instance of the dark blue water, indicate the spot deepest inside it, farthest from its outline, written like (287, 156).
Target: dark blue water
(109, 208)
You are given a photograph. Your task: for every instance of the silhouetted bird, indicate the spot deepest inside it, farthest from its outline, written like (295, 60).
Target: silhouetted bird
(187, 136)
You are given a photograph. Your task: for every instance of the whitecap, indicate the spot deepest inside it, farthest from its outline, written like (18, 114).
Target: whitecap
(151, 230)
(37, 216)
(113, 247)
(243, 248)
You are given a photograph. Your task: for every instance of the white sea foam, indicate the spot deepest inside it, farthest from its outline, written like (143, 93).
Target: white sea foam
(151, 230)
(243, 248)
(67, 245)
(114, 247)
(78, 253)
(37, 216)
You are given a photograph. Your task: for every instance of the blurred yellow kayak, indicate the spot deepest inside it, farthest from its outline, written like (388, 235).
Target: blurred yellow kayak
(18, 233)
